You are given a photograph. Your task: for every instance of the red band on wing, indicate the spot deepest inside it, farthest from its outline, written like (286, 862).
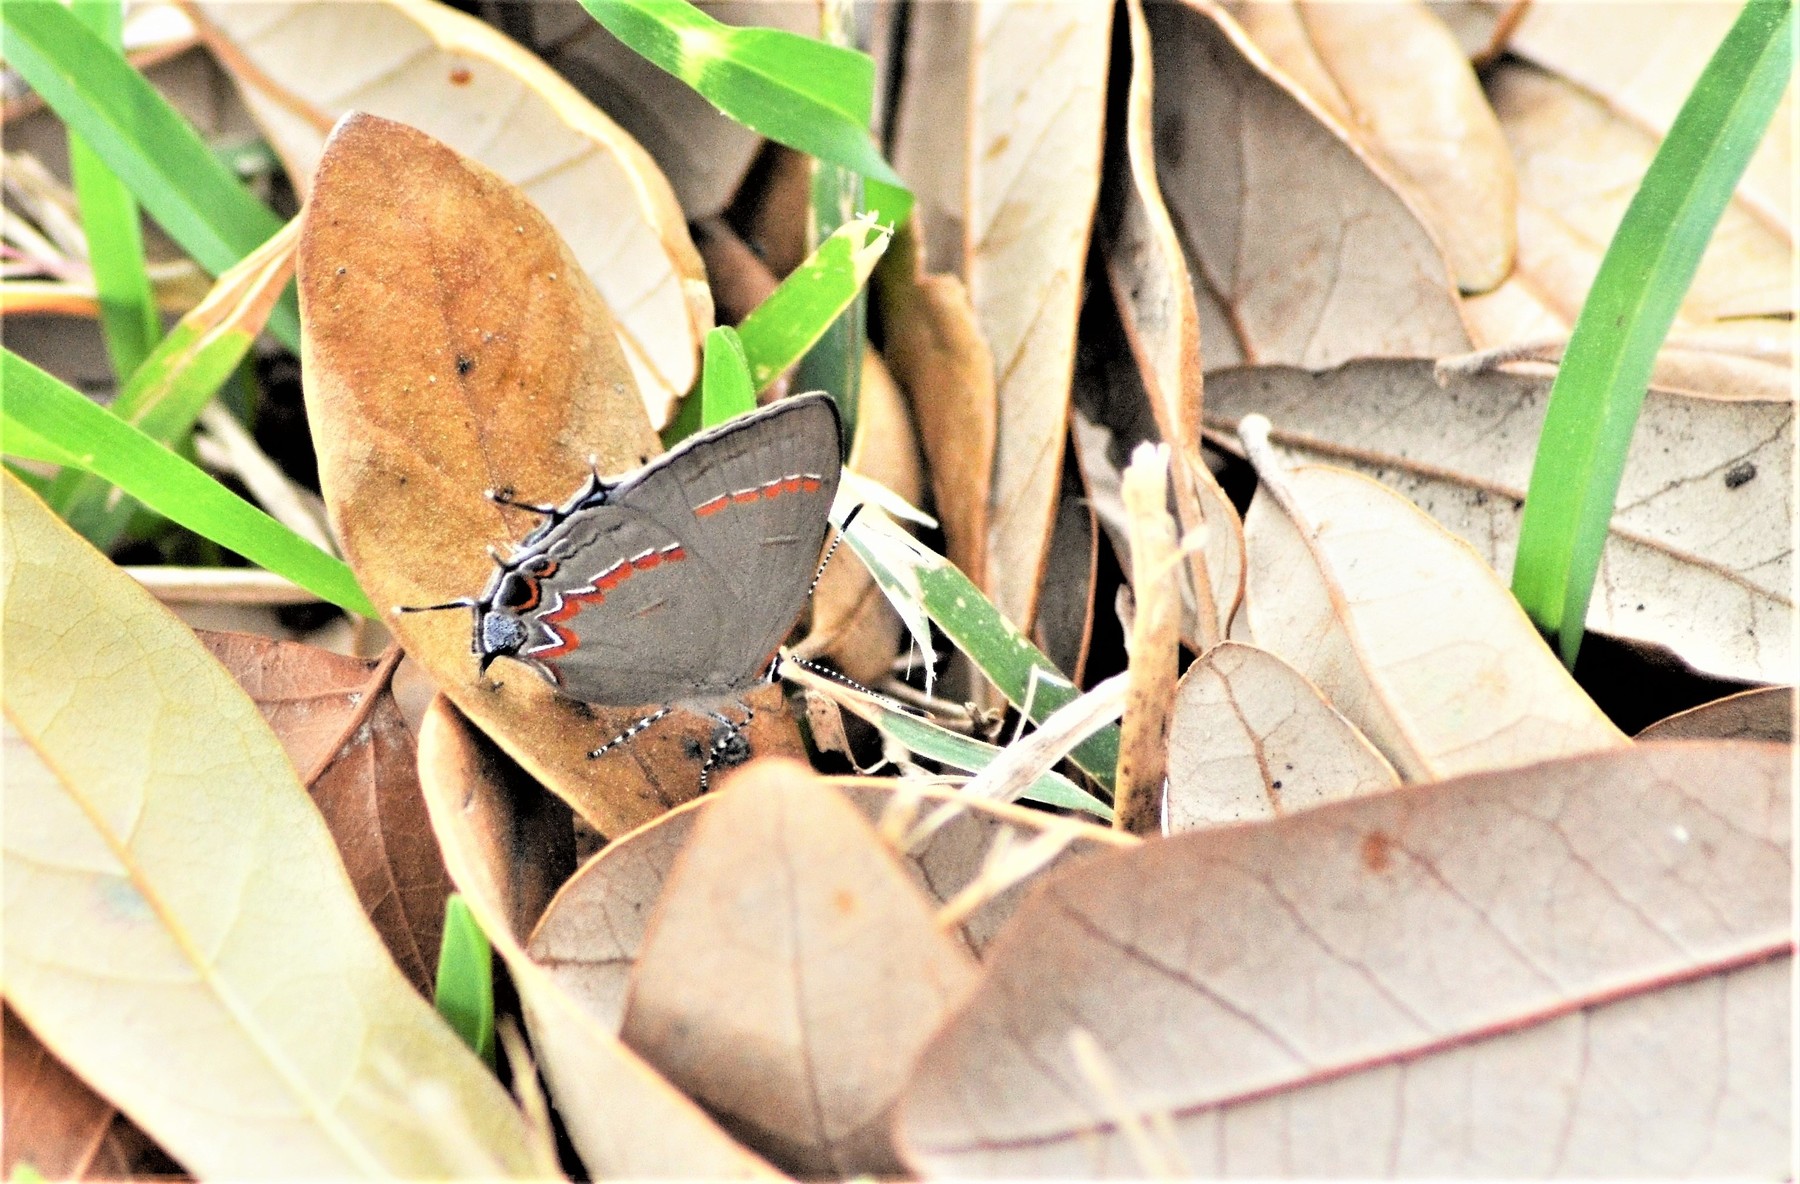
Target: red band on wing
(566, 641)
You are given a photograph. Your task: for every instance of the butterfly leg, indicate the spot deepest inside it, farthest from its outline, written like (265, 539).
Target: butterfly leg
(730, 748)
(504, 497)
(630, 732)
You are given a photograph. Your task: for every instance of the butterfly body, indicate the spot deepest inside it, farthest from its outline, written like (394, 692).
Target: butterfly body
(678, 581)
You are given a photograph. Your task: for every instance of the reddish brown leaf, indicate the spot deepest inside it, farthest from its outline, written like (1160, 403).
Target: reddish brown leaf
(337, 719)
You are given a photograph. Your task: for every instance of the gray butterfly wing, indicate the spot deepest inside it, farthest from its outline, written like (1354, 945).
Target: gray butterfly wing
(687, 575)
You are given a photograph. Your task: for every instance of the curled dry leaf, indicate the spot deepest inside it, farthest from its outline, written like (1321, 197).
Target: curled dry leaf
(1300, 251)
(1698, 560)
(1154, 294)
(592, 932)
(453, 346)
(1405, 629)
(300, 67)
(1251, 738)
(1000, 130)
(791, 971)
(344, 734)
(1578, 968)
(1153, 645)
(1392, 78)
(1766, 713)
(852, 622)
(504, 841)
(935, 349)
(1579, 163)
(179, 929)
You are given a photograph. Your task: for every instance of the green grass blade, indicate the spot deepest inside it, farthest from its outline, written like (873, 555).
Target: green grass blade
(1605, 371)
(465, 978)
(111, 448)
(167, 393)
(109, 219)
(142, 139)
(940, 744)
(909, 572)
(725, 388)
(811, 96)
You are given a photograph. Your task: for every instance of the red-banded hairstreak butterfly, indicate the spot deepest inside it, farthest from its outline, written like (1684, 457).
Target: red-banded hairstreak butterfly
(676, 583)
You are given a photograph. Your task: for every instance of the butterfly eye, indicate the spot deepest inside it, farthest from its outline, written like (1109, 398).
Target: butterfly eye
(517, 593)
(540, 566)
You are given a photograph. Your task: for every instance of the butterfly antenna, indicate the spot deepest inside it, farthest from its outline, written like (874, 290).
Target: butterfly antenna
(504, 497)
(465, 602)
(832, 550)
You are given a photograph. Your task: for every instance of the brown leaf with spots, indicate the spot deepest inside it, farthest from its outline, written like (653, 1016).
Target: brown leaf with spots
(337, 720)
(453, 346)
(1578, 968)
(591, 933)
(791, 971)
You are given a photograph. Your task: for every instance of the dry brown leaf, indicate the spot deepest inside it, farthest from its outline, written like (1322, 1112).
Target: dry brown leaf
(1154, 295)
(1000, 129)
(1766, 713)
(704, 153)
(1300, 252)
(343, 732)
(1405, 629)
(302, 66)
(1250, 738)
(454, 347)
(591, 934)
(1578, 164)
(506, 843)
(1698, 561)
(852, 622)
(1393, 78)
(1643, 68)
(935, 349)
(790, 972)
(1579, 968)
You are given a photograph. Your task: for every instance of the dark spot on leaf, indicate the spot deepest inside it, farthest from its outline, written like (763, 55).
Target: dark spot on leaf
(1377, 851)
(342, 270)
(1275, 784)
(1741, 473)
(461, 76)
(464, 364)
(844, 901)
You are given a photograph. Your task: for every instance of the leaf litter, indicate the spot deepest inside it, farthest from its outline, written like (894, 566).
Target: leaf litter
(1433, 913)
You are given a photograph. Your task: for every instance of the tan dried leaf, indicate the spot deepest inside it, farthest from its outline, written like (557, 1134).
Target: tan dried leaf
(1251, 739)
(1153, 292)
(1301, 253)
(1578, 968)
(791, 971)
(1000, 130)
(1405, 629)
(592, 932)
(1698, 560)
(1392, 78)
(504, 840)
(301, 66)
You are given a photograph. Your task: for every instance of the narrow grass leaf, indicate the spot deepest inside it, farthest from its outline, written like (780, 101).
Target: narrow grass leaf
(1652, 259)
(907, 571)
(465, 978)
(811, 96)
(780, 330)
(142, 139)
(93, 437)
(109, 219)
(971, 755)
(725, 388)
(167, 393)
(835, 361)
